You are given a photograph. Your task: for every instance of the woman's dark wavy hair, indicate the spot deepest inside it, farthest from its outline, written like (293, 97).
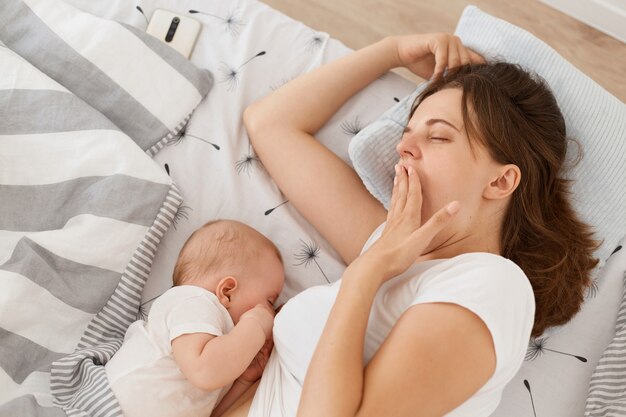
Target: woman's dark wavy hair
(515, 116)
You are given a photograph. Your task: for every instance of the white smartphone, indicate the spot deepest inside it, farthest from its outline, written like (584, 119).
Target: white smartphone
(178, 31)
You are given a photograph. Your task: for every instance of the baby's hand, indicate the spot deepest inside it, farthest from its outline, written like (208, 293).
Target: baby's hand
(263, 315)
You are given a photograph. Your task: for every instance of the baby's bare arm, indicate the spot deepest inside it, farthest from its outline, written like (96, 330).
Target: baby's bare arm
(211, 362)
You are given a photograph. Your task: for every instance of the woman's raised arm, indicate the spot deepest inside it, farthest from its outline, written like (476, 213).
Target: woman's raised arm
(318, 183)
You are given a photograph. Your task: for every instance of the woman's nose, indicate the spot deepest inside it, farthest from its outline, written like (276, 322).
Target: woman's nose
(407, 148)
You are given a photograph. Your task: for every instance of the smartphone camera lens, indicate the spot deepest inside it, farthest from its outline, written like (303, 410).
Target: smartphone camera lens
(172, 29)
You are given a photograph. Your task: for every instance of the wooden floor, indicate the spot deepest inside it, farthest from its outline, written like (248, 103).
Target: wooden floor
(360, 22)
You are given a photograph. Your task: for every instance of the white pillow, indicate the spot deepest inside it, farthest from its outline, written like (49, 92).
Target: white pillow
(593, 116)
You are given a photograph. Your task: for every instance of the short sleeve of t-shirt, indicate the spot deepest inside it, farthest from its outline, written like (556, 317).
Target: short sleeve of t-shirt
(190, 309)
(493, 288)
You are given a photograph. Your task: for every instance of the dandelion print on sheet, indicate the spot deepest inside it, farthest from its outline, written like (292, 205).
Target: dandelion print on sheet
(315, 42)
(532, 401)
(247, 162)
(617, 249)
(230, 75)
(232, 22)
(142, 313)
(352, 128)
(141, 11)
(309, 252)
(269, 211)
(183, 134)
(536, 348)
(181, 213)
(592, 290)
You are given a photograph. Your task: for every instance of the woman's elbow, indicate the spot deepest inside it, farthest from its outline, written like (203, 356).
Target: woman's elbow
(247, 116)
(252, 118)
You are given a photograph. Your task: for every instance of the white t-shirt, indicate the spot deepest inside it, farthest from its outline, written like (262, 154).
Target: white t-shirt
(491, 286)
(143, 374)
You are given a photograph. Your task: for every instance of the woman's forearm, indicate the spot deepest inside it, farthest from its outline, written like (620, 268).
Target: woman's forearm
(236, 391)
(310, 100)
(334, 381)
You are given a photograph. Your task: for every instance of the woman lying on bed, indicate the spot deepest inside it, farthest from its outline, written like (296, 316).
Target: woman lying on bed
(479, 250)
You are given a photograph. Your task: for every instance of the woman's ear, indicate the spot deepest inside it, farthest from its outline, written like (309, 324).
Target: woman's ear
(225, 289)
(505, 183)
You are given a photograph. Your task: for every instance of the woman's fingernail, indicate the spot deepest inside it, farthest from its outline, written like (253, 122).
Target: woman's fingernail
(395, 180)
(411, 171)
(453, 207)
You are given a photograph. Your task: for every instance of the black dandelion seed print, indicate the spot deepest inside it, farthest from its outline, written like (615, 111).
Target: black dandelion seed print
(141, 11)
(142, 313)
(181, 213)
(232, 22)
(396, 99)
(315, 42)
(532, 401)
(247, 162)
(536, 348)
(217, 147)
(178, 138)
(183, 134)
(352, 128)
(269, 211)
(309, 252)
(592, 290)
(230, 75)
(617, 249)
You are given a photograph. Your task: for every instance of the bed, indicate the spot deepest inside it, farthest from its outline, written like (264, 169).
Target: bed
(103, 177)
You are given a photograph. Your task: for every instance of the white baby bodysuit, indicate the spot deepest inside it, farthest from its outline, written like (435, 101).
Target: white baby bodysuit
(143, 374)
(491, 286)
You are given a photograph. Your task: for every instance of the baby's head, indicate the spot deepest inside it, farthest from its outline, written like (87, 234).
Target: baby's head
(238, 264)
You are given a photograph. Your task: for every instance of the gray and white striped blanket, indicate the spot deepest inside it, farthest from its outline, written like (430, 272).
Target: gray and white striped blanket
(83, 207)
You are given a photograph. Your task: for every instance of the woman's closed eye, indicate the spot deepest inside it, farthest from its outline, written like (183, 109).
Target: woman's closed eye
(439, 139)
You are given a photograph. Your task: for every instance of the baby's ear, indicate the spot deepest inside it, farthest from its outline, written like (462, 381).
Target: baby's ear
(225, 289)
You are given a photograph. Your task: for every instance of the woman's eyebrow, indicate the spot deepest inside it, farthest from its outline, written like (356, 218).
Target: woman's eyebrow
(431, 122)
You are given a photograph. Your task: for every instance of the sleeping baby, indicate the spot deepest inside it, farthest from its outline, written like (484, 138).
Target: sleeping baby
(208, 337)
